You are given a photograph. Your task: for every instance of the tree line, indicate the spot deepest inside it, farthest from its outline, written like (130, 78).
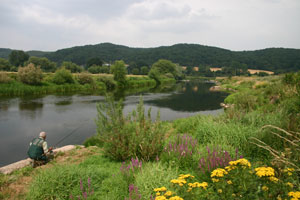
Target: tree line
(279, 60)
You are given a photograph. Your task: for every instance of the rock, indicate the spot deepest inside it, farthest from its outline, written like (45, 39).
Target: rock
(215, 88)
(23, 163)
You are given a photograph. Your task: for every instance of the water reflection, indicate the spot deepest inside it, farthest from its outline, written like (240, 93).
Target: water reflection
(21, 119)
(191, 97)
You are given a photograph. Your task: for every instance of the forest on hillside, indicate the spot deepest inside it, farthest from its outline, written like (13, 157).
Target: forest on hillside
(279, 60)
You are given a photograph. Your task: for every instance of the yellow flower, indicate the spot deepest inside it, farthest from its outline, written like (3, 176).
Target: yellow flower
(229, 182)
(233, 195)
(273, 179)
(219, 172)
(167, 194)
(241, 162)
(160, 198)
(290, 184)
(265, 188)
(229, 168)
(162, 189)
(215, 180)
(290, 173)
(289, 170)
(176, 198)
(265, 171)
(157, 194)
(296, 195)
(220, 191)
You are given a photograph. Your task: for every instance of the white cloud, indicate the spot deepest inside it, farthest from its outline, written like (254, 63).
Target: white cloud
(232, 24)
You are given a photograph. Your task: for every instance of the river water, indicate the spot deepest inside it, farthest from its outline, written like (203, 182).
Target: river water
(22, 118)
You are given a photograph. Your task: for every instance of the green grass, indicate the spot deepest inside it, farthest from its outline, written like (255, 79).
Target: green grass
(60, 181)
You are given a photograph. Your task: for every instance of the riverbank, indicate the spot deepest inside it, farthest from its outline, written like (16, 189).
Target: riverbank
(82, 84)
(194, 158)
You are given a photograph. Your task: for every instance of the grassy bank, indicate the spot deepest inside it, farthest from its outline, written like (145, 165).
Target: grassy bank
(90, 84)
(251, 151)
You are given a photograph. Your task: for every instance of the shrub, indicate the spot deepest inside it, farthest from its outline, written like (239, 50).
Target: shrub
(131, 136)
(108, 81)
(62, 76)
(84, 78)
(30, 74)
(4, 78)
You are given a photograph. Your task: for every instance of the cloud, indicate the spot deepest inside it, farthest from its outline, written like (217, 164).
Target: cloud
(232, 24)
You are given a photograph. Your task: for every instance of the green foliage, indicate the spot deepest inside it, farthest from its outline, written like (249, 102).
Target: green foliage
(93, 141)
(45, 64)
(153, 175)
(135, 71)
(94, 69)
(17, 58)
(131, 136)
(4, 65)
(94, 61)
(85, 78)
(63, 76)
(119, 71)
(278, 60)
(65, 180)
(166, 69)
(74, 68)
(108, 81)
(30, 75)
(144, 70)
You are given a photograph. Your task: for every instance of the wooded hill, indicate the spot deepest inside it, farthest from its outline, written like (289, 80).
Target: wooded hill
(272, 59)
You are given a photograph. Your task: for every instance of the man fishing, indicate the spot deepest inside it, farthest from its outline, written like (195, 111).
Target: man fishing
(38, 150)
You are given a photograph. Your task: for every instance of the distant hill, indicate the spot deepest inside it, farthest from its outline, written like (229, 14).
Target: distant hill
(272, 59)
(4, 53)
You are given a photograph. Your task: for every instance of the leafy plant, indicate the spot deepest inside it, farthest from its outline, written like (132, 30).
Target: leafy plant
(62, 76)
(132, 136)
(84, 78)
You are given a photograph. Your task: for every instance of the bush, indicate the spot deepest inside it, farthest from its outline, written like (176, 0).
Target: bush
(108, 81)
(84, 78)
(62, 76)
(30, 74)
(131, 136)
(4, 78)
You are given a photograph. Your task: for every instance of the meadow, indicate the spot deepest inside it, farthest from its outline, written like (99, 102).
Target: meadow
(251, 151)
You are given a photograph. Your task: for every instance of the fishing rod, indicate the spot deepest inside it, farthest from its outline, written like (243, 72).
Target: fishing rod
(73, 131)
(69, 134)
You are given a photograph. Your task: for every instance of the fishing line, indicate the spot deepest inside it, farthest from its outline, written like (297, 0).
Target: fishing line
(69, 134)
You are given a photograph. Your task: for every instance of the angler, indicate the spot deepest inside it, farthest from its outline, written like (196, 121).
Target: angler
(38, 150)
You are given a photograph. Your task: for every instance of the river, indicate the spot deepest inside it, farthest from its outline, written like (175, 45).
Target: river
(22, 118)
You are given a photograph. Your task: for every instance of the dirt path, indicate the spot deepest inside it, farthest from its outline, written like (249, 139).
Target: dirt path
(16, 185)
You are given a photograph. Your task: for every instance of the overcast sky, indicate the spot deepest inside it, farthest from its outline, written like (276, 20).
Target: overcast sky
(231, 24)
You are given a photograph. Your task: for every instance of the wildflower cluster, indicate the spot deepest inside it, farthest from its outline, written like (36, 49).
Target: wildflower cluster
(85, 192)
(162, 194)
(128, 170)
(294, 195)
(289, 171)
(133, 193)
(265, 171)
(215, 158)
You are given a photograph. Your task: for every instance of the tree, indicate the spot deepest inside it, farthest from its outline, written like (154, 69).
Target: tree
(163, 67)
(72, 67)
(135, 71)
(4, 65)
(144, 70)
(94, 61)
(119, 71)
(17, 58)
(45, 64)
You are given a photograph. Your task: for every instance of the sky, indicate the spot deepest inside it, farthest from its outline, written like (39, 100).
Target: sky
(237, 25)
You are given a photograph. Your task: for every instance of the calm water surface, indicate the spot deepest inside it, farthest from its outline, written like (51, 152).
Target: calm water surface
(23, 118)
